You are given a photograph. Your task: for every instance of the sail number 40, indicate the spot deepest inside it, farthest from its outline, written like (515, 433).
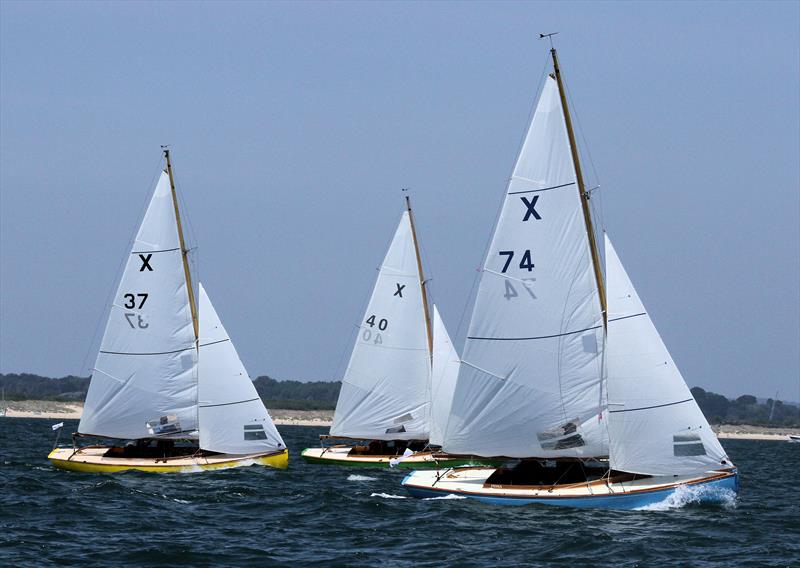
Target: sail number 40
(382, 324)
(374, 335)
(525, 263)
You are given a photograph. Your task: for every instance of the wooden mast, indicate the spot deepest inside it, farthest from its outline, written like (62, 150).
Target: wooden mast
(587, 216)
(421, 279)
(184, 252)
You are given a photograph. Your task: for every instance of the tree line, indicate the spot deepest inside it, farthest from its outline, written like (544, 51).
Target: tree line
(322, 395)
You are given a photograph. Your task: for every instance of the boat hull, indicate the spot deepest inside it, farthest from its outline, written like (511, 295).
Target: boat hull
(91, 460)
(339, 455)
(470, 482)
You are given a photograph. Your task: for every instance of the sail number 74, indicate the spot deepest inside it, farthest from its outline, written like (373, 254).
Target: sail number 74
(524, 263)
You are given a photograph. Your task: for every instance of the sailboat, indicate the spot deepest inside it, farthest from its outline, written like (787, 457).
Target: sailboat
(3, 407)
(399, 381)
(562, 373)
(168, 389)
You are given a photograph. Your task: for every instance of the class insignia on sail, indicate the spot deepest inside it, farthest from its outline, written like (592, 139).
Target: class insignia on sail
(168, 389)
(562, 373)
(397, 387)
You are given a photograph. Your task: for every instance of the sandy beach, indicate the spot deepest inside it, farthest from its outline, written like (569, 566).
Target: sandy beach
(52, 410)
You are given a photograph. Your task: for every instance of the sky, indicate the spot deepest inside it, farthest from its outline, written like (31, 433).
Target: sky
(293, 127)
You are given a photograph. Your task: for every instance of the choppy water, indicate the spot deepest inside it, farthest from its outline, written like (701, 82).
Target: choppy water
(338, 516)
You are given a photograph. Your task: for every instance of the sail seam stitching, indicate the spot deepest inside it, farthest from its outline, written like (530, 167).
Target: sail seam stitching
(215, 342)
(649, 407)
(149, 251)
(158, 353)
(626, 317)
(228, 403)
(540, 337)
(543, 189)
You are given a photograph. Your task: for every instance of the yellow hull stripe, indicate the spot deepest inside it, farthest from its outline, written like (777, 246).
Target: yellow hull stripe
(280, 461)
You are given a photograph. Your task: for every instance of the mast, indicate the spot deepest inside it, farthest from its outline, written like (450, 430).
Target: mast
(587, 216)
(421, 279)
(184, 252)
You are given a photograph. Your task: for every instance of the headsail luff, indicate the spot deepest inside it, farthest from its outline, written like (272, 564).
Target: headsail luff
(144, 380)
(443, 378)
(385, 391)
(232, 417)
(655, 426)
(531, 373)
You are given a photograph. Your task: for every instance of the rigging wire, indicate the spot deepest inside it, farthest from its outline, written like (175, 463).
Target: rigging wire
(598, 211)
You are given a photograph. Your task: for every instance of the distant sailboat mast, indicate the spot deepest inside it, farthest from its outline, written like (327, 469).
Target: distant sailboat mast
(587, 216)
(421, 279)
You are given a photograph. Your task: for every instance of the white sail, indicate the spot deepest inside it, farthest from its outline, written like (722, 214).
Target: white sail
(443, 379)
(530, 383)
(233, 418)
(144, 382)
(655, 425)
(386, 388)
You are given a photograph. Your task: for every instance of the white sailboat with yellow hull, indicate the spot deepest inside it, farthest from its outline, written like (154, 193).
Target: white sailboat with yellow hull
(168, 386)
(399, 381)
(577, 390)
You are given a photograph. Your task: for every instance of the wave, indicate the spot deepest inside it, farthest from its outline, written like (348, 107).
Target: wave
(443, 497)
(388, 496)
(354, 477)
(689, 495)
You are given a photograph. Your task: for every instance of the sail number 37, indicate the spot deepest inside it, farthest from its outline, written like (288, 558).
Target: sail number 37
(135, 320)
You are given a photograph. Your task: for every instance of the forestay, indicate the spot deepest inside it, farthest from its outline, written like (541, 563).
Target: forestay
(655, 425)
(386, 388)
(144, 382)
(233, 418)
(530, 383)
(443, 379)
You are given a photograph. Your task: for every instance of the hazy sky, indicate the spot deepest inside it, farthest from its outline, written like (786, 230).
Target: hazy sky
(294, 126)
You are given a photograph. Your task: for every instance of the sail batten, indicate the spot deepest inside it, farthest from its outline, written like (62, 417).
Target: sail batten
(443, 378)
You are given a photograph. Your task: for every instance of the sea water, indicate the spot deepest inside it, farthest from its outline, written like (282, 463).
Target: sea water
(258, 516)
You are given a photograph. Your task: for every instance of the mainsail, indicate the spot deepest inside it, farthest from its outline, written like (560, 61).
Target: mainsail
(144, 382)
(443, 378)
(530, 383)
(385, 391)
(655, 425)
(232, 416)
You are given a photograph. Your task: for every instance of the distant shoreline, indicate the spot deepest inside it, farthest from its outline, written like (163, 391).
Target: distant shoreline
(53, 410)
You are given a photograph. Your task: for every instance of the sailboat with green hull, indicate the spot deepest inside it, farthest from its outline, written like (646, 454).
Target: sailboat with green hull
(563, 373)
(398, 385)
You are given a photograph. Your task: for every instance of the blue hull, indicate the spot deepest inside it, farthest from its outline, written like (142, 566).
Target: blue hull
(713, 491)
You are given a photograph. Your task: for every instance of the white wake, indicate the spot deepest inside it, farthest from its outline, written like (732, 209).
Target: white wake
(689, 495)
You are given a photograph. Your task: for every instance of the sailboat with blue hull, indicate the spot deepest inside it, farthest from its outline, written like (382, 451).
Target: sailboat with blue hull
(563, 372)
